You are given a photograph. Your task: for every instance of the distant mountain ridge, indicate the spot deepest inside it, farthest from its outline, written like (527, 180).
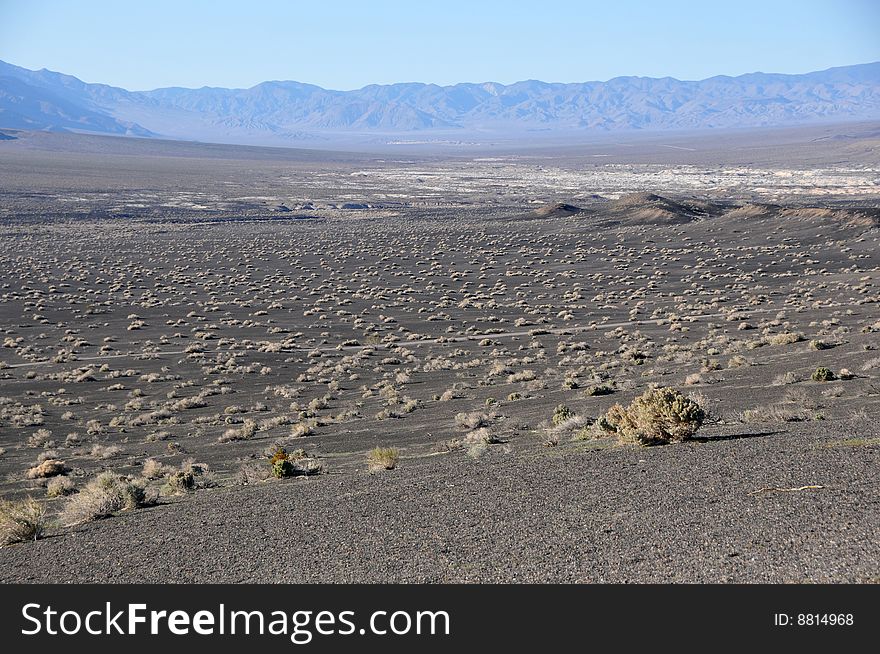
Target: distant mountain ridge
(284, 112)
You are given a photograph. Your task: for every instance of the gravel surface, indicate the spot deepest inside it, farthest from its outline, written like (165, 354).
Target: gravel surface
(693, 512)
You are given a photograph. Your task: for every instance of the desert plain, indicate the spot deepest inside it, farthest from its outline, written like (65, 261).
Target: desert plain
(175, 314)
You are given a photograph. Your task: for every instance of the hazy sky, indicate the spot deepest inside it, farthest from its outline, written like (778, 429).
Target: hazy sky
(346, 45)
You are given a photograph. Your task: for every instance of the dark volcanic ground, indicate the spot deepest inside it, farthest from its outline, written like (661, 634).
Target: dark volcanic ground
(155, 313)
(694, 512)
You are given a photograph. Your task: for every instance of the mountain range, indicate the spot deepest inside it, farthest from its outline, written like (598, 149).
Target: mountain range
(289, 113)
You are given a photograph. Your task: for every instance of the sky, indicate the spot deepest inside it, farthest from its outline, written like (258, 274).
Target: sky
(346, 45)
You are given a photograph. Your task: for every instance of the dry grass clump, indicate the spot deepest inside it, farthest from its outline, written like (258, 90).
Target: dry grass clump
(477, 441)
(574, 427)
(779, 412)
(794, 407)
(105, 451)
(786, 338)
(243, 433)
(60, 487)
(251, 473)
(106, 494)
(191, 476)
(596, 390)
(21, 521)
(154, 469)
(522, 376)
(657, 417)
(382, 458)
(302, 429)
(472, 420)
(871, 364)
(786, 378)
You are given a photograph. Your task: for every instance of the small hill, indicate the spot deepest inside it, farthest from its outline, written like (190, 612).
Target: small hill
(844, 216)
(652, 209)
(555, 210)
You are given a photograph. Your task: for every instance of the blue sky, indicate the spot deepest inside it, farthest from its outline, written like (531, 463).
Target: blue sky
(345, 45)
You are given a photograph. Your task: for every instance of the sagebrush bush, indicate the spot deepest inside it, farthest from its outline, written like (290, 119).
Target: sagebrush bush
(21, 521)
(657, 417)
(106, 494)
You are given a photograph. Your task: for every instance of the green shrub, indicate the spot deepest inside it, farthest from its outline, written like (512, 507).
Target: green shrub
(292, 464)
(822, 374)
(657, 417)
(282, 468)
(560, 414)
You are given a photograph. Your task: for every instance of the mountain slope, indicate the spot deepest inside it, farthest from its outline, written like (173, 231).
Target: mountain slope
(23, 106)
(281, 111)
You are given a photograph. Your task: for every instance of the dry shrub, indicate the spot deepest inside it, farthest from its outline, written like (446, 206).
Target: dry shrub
(657, 417)
(191, 476)
(105, 495)
(251, 473)
(477, 441)
(566, 429)
(154, 469)
(472, 420)
(48, 468)
(561, 414)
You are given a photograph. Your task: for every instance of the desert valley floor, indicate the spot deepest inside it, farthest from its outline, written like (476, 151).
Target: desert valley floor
(177, 316)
